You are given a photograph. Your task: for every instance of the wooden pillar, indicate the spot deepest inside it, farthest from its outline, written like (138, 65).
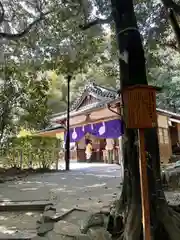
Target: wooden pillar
(144, 187)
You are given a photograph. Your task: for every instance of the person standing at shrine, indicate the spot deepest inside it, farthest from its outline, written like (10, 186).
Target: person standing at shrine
(110, 149)
(88, 150)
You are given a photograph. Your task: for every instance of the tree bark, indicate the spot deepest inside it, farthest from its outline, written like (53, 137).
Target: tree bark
(133, 71)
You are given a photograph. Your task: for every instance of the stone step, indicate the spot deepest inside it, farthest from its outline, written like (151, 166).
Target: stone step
(19, 235)
(23, 206)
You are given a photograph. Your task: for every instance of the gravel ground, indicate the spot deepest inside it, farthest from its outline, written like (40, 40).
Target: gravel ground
(87, 186)
(17, 223)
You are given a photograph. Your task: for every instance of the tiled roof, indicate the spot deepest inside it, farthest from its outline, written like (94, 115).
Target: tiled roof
(103, 95)
(99, 92)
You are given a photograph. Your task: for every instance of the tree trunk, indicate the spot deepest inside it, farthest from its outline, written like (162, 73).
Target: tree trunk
(133, 71)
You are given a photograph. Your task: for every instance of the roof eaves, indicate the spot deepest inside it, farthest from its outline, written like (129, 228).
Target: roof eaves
(51, 128)
(85, 110)
(57, 114)
(169, 113)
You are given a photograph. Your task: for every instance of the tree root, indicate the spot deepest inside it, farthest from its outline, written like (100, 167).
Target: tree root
(175, 215)
(132, 230)
(170, 221)
(176, 208)
(165, 220)
(121, 204)
(167, 226)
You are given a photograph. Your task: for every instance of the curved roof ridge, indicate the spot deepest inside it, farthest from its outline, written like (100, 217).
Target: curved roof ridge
(106, 88)
(93, 88)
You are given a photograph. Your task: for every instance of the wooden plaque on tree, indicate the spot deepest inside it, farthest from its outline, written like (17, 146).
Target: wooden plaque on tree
(140, 106)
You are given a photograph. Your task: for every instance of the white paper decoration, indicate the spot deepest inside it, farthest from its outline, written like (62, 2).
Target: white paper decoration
(102, 129)
(74, 134)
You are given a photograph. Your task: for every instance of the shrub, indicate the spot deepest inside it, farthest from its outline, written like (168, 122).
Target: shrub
(32, 151)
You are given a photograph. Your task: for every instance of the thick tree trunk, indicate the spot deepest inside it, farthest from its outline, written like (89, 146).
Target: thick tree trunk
(133, 71)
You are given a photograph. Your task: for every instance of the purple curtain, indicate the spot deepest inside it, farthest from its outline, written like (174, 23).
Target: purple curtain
(109, 129)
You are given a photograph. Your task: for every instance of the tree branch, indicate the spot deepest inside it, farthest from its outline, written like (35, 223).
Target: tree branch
(171, 44)
(10, 36)
(175, 25)
(2, 12)
(96, 22)
(172, 4)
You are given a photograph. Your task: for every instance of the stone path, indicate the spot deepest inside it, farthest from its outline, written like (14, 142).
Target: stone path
(86, 186)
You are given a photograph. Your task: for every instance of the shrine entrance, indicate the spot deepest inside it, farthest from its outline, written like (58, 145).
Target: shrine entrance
(104, 137)
(98, 147)
(94, 108)
(95, 114)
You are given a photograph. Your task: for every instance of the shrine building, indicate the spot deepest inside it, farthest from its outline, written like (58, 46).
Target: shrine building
(96, 115)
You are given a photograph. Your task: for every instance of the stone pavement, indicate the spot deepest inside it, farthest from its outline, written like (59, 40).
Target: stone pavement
(86, 186)
(83, 185)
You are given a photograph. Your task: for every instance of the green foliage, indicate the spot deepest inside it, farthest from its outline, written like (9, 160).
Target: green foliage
(57, 43)
(57, 100)
(63, 47)
(32, 151)
(24, 99)
(166, 75)
(52, 45)
(11, 95)
(36, 111)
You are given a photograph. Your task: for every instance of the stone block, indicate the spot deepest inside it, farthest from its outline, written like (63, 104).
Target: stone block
(105, 210)
(66, 228)
(44, 227)
(54, 236)
(99, 233)
(23, 206)
(48, 215)
(39, 238)
(83, 237)
(50, 207)
(96, 219)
